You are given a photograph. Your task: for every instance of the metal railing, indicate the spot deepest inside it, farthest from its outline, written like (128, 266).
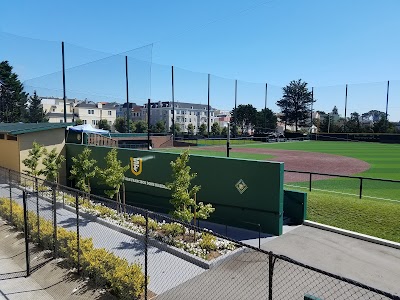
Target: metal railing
(361, 180)
(172, 256)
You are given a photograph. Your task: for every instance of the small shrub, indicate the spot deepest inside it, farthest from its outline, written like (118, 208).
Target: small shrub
(208, 242)
(103, 267)
(138, 220)
(172, 229)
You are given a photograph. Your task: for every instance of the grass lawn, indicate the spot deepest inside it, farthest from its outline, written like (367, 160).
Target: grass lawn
(384, 159)
(254, 156)
(373, 217)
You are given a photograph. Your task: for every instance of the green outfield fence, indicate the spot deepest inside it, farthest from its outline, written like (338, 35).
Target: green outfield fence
(250, 273)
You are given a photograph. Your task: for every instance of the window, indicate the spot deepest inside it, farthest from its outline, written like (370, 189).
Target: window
(61, 120)
(109, 112)
(11, 138)
(190, 112)
(84, 121)
(110, 123)
(1, 136)
(90, 111)
(53, 109)
(190, 120)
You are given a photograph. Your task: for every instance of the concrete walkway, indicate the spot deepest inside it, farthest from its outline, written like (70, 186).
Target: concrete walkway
(165, 270)
(375, 265)
(48, 282)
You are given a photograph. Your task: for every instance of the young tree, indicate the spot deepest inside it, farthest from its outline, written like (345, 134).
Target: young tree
(36, 114)
(224, 131)
(113, 175)
(83, 169)
(183, 194)
(79, 122)
(120, 124)
(244, 116)
(32, 161)
(190, 129)
(215, 129)
(295, 103)
(140, 126)
(13, 100)
(52, 163)
(203, 129)
(265, 121)
(103, 124)
(177, 128)
(159, 127)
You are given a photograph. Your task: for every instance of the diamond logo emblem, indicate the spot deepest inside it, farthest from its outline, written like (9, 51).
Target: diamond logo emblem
(241, 186)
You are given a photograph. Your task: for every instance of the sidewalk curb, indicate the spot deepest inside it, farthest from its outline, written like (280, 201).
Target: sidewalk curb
(353, 234)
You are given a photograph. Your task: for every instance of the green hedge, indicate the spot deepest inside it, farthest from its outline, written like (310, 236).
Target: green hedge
(125, 280)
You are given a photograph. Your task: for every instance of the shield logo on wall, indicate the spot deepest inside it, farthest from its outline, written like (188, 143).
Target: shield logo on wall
(136, 165)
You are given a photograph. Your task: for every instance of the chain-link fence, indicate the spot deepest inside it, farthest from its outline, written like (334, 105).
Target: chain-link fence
(140, 254)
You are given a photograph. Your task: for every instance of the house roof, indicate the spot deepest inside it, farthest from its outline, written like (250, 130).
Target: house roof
(21, 128)
(84, 104)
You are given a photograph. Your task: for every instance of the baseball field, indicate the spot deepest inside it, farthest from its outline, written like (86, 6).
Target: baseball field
(333, 201)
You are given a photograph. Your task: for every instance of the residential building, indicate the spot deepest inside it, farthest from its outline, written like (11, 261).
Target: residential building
(54, 109)
(135, 111)
(91, 113)
(223, 118)
(185, 114)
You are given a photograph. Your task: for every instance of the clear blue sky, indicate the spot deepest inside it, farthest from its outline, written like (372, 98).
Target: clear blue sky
(326, 43)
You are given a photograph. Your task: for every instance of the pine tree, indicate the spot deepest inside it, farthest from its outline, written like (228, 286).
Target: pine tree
(295, 103)
(13, 100)
(36, 114)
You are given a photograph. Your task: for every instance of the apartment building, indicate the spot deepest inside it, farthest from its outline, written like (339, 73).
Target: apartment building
(185, 114)
(91, 113)
(54, 109)
(135, 111)
(223, 118)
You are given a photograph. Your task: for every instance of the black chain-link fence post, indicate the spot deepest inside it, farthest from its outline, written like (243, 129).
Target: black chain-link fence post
(270, 275)
(146, 244)
(27, 254)
(9, 183)
(54, 190)
(77, 232)
(37, 209)
(310, 182)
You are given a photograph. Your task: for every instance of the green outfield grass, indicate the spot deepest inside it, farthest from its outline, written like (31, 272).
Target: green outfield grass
(330, 203)
(384, 159)
(367, 216)
(241, 155)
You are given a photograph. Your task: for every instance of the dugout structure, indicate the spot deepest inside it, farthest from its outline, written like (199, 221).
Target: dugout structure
(245, 193)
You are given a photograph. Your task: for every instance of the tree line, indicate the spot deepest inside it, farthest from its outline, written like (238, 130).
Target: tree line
(15, 104)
